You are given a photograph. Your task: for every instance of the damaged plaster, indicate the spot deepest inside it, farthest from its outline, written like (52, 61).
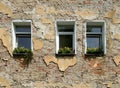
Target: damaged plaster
(117, 36)
(40, 10)
(4, 82)
(47, 21)
(38, 44)
(62, 85)
(116, 60)
(87, 14)
(5, 9)
(111, 14)
(6, 38)
(62, 62)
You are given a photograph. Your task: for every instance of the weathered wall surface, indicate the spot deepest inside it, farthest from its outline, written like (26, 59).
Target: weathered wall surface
(46, 70)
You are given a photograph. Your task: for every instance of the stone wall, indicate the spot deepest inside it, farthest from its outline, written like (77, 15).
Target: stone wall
(46, 70)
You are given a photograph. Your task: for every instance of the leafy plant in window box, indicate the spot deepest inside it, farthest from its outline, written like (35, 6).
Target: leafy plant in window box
(94, 51)
(65, 51)
(24, 53)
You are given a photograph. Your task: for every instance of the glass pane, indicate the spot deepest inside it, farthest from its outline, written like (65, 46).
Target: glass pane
(94, 29)
(65, 28)
(93, 41)
(23, 29)
(24, 41)
(65, 41)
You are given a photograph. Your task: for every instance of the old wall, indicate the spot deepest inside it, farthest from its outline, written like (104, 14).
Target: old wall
(46, 70)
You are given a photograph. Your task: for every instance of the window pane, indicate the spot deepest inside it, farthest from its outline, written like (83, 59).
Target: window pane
(65, 28)
(93, 41)
(94, 29)
(23, 29)
(24, 41)
(65, 41)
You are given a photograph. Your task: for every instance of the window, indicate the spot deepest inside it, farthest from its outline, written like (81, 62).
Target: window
(22, 34)
(65, 36)
(95, 38)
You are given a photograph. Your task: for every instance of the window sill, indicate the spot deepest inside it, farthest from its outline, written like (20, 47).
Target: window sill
(20, 54)
(94, 54)
(65, 54)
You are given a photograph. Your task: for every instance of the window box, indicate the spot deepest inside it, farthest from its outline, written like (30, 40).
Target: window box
(65, 54)
(24, 53)
(66, 51)
(94, 52)
(94, 55)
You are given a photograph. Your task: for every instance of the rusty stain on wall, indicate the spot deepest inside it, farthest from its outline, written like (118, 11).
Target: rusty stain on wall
(62, 62)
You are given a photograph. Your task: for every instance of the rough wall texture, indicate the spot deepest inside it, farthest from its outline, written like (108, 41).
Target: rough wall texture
(46, 70)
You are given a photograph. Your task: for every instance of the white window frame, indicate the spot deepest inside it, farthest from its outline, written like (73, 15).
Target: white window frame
(62, 22)
(20, 23)
(97, 23)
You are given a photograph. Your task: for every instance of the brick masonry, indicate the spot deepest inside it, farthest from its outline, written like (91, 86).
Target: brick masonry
(46, 70)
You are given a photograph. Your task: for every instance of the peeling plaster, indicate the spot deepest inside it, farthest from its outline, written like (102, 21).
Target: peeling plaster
(5, 9)
(117, 60)
(52, 10)
(50, 36)
(87, 14)
(4, 82)
(63, 63)
(117, 36)
(6, 38)
(39, 84)
(95, 63)
(111, 15)
(108, 84)
(46, 21)
(40, 10)
(38, 44)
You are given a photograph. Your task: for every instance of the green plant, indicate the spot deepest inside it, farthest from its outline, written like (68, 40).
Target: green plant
(65, 50)
(94, 51)
(25, 53)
